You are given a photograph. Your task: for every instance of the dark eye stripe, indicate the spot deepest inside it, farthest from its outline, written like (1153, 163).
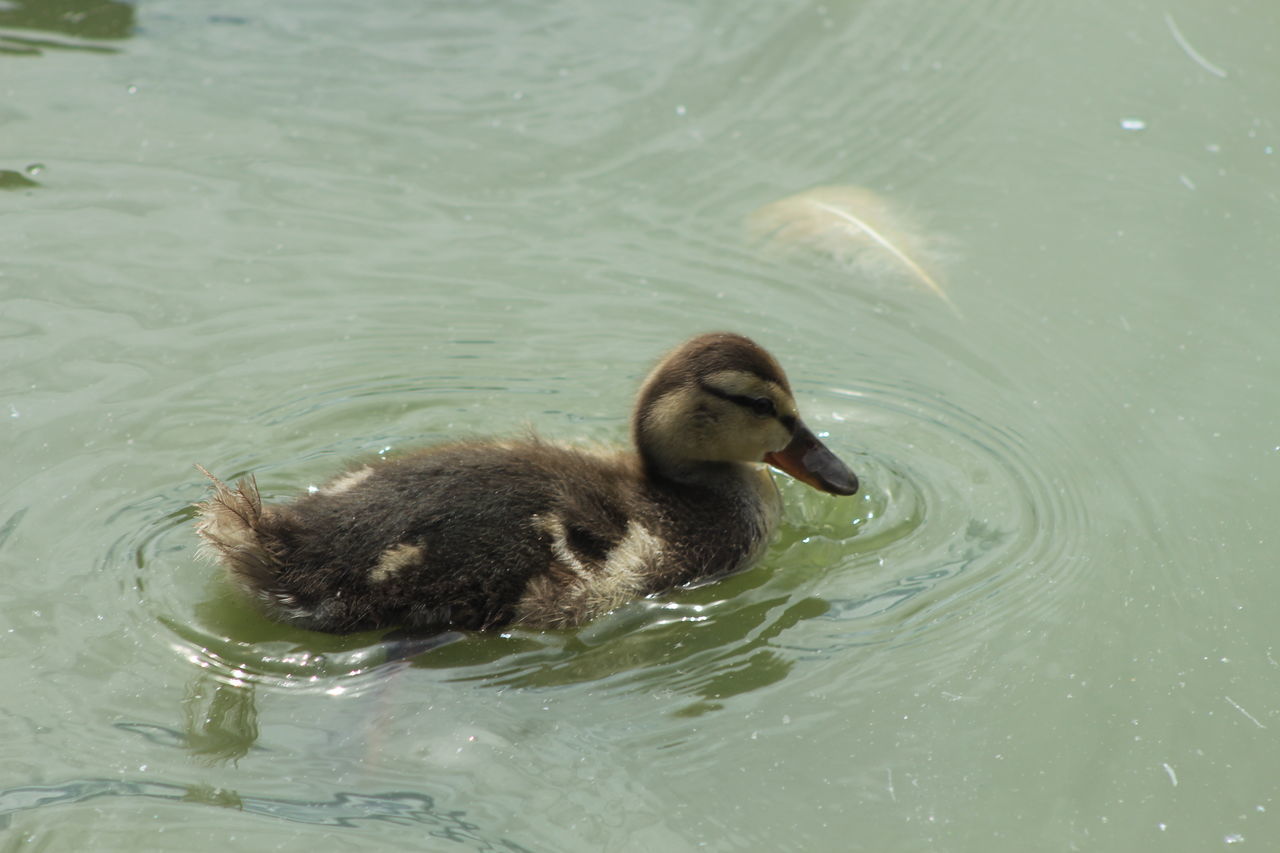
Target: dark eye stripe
(761, 406)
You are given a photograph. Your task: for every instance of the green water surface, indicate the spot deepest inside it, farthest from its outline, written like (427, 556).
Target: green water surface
(268, 238)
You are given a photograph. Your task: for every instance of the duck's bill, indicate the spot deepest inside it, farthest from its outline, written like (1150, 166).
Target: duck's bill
(809, 461)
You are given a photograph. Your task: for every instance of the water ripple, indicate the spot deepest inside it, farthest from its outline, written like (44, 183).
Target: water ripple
(989, 514)
(959, 523)
(342, 809)
(957, 526)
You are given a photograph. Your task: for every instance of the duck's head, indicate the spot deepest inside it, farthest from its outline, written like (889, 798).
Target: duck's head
(722, 398)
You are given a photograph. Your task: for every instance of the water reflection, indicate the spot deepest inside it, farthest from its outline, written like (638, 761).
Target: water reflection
(220, 722)
(219, 709)
(342, 809)
(952, 506)
(83, 19)
(11, 524)
(220, 719)
(11, 180)
(713, 642)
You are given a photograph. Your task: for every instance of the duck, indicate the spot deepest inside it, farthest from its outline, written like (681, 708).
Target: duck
(491, 534)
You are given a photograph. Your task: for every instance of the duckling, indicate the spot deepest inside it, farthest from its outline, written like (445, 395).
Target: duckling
(487, 534)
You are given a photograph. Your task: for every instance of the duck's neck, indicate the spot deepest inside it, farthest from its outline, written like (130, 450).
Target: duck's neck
(719, 476)
(733, 480)
(744, 495)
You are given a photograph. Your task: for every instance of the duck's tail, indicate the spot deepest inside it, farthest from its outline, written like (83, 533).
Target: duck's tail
(229, 523)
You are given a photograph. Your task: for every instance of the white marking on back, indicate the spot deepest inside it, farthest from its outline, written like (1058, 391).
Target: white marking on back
(594, 590)
(628, 565)
(560, 544)
(346, 482)
(394, 559)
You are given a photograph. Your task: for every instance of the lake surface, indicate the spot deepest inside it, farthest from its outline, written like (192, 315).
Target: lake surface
(270, 239)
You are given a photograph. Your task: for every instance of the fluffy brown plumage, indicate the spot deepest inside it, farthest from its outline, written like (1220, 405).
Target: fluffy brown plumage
(486, 534)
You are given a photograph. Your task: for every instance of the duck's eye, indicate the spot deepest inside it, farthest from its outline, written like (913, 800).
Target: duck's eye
(760, 406)
(763, 407)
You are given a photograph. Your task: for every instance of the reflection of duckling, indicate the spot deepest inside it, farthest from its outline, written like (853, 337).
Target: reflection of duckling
(484, 534)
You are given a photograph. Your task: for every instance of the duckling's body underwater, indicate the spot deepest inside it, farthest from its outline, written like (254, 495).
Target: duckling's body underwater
(485, 534)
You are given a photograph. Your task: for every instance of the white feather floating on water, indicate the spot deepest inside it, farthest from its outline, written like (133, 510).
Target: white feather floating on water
(852, 224)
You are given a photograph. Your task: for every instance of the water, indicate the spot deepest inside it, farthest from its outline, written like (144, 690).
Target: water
(268, 241)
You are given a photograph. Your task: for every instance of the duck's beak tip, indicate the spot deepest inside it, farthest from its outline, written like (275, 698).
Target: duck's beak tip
(809, 461)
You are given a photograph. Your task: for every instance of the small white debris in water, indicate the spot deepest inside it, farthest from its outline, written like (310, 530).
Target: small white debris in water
(680, 110)
(1133, 124)
(1173, 777)
(1191, 51)
(1251, 717)
(311, 490)
(13, 411)
(1187, 182)
(1233, 838)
